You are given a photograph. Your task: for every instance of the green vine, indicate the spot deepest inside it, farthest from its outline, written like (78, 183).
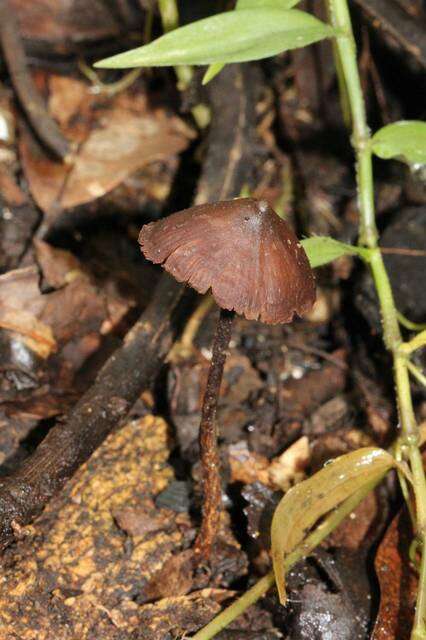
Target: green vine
(346, 62)
(410, 436)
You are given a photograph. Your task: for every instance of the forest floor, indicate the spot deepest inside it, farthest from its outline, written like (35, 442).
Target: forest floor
(100, 490)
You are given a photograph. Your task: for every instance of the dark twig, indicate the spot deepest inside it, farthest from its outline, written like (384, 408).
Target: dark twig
(13, 51)
(130, 369)
(136, 364)
(209, 449)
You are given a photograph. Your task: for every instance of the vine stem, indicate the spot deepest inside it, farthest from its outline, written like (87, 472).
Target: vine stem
(368, 238)
(170, 20)
(346, 51)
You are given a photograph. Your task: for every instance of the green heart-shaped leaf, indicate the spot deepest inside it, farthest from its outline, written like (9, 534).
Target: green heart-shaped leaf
(404, 140)
(322, 250)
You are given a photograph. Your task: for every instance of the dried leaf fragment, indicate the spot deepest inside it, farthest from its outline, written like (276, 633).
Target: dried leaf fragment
(398, 582)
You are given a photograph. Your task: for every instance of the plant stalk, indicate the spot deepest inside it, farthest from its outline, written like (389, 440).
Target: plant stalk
(209, 449)
(184, 73)
(346, 49)
(170, 21)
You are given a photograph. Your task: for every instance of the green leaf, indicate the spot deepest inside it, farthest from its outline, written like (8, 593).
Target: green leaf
(304, 504)
(212, 71)
(404, 140)
(260, 4)
(233, 36)
(242, 5)
(322, 250)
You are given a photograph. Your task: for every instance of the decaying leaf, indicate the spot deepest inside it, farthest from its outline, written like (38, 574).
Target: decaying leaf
(59, 267)
(398, 582)
(115, 138)
(21, 308)
(279, 473)
(45, 338)
(290, 466)
(308, 501)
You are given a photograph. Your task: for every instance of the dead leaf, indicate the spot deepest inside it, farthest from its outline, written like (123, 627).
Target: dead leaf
(289, 467)
(59, 267)
(138, 521)
(68, 99)
(398, 582)
(115, 138)
(9, 189)
(247, 466)
(126, 143)
(46, 338)
(356, 531)
(175, 578)
(20, 311)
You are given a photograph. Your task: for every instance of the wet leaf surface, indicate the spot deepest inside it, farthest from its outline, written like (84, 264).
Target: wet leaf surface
(305, 503)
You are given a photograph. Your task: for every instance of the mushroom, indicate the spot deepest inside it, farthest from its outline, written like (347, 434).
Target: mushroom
(255, 266)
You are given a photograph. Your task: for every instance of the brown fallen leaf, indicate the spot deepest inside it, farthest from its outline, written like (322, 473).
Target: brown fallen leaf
(138, 521)
(59, 267)
(279, 473)
(45, 338)
(398, 582)
(289, 467)
(127, 142)
(9, 189)
(115, 138)
(247, 466)
(362, 526)
(21, 306)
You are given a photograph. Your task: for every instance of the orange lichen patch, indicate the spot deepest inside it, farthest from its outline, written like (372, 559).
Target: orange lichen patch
(241, 250)
(79, 574)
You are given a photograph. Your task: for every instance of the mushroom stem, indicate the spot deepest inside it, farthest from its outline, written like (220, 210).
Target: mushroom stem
(209, 450)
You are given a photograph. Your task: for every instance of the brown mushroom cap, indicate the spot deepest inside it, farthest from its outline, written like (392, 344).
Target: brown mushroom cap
(241, 250)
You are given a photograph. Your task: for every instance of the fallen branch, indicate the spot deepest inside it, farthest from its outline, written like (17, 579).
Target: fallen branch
(136, 364)
(32, 103)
